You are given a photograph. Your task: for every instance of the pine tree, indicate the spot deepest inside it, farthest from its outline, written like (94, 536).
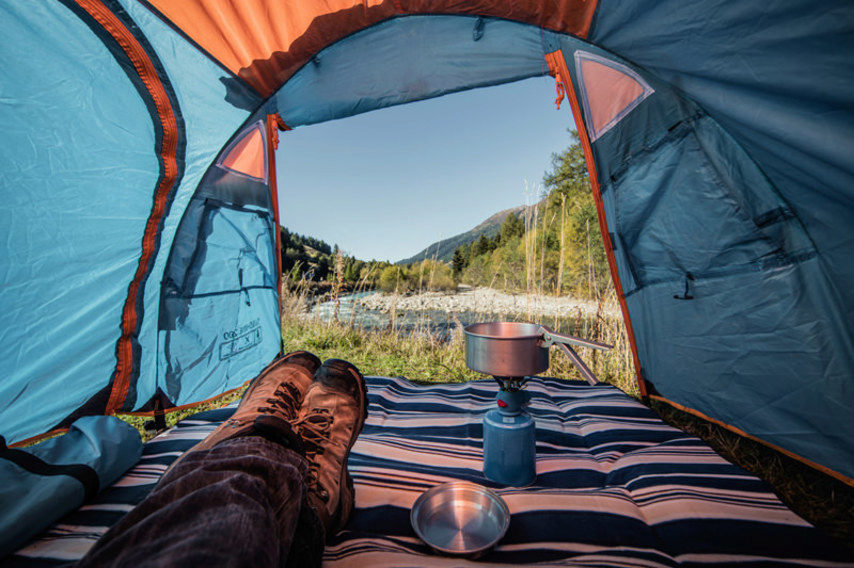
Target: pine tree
(458, 262)
(510, 228)
(582, 255)
(480, 246)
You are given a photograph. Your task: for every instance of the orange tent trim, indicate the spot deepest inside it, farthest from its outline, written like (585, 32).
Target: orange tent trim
(168, 157)
(740, 432)
(265, 42)
(558, 68)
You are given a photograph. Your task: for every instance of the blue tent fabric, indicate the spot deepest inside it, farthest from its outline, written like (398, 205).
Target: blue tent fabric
(412, 58)
(615, 487)
(690, 210)
(72, 223)
(103, 160)
(219, 308)
(730, 183)
(215, 105)
(37, 492)
(776, 81)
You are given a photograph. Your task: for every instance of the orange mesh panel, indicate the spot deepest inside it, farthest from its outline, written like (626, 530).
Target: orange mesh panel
(247, 155)
(265, 41)
(608, 92)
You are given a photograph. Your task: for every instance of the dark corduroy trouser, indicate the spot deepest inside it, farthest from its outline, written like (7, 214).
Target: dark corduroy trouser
(241, 503)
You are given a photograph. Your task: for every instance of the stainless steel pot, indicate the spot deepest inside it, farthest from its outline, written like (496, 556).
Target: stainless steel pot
(509, 349)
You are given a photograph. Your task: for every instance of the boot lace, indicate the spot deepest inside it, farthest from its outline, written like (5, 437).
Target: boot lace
(284, 401)
(314, 430)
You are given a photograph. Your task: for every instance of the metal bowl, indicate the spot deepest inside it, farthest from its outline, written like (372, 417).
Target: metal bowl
(460, 518)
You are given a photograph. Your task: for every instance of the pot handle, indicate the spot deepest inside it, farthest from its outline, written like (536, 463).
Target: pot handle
(554, 338)
(579, 364)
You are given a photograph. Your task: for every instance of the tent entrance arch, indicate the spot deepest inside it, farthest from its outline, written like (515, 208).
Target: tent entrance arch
(642, 129)
(707, 181)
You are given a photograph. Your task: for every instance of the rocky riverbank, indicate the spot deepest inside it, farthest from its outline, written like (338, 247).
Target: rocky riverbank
(487, 300)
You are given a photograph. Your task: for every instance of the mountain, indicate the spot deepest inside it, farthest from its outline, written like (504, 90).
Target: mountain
(444, 250)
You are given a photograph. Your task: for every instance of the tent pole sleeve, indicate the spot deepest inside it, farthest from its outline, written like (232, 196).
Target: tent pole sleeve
(558, 68)
(167, 148)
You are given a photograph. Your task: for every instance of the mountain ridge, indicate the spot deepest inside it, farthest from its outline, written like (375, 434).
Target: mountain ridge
(444, 250)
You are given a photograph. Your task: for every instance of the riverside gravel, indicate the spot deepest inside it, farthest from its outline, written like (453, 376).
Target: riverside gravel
(487, 300)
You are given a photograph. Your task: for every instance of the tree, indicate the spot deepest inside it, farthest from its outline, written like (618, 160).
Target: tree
(581, 253)
(568, 175)
(511, 227)
(393, 279)
(353, 270)
(480, 246)
(458, 262)
(465, 251)
(324, 263)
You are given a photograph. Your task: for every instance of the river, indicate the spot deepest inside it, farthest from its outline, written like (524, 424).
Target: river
(439, 323)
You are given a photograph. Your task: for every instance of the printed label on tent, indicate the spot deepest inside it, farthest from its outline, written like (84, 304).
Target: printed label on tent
(242, 340)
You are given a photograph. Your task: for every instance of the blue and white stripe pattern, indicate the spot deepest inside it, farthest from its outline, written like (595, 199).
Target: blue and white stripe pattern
(615, 487)
(70, 539)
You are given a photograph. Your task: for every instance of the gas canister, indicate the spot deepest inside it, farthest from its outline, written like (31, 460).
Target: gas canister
(509, 441)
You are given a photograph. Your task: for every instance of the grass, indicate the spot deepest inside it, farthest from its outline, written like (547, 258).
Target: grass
(145, 423)
(422, 357)
(820, 499)
(385, 353)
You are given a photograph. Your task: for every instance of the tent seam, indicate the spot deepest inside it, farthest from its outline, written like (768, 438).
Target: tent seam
(169, 147)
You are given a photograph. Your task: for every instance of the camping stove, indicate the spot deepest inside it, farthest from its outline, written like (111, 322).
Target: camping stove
(509, 444)
(510, 352)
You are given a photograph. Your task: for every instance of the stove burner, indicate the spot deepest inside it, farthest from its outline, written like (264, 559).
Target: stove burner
(511, 384)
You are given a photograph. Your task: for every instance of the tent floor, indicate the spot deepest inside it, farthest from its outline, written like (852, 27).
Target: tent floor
(615, 487)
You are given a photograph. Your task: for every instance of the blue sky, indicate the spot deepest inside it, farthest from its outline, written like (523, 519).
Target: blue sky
(387, 183)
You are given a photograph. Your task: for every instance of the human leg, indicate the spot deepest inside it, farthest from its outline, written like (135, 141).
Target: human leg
(246, 496)
(236, 504)
(234, 498)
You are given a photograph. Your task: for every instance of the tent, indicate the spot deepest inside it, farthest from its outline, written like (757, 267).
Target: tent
(139, 257)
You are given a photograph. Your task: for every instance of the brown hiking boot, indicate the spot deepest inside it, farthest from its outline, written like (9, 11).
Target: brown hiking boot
(269, 405)
(332, 415)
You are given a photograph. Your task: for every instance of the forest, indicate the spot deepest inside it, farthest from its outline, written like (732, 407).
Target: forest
(553, 247)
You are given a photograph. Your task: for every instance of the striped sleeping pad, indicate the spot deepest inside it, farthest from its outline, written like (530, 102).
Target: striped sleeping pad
(615, 487)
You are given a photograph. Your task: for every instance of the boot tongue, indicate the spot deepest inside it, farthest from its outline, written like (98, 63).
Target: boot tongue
(280, 431)
(337, 375)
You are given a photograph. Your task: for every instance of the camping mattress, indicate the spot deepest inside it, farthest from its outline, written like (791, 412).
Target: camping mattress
(615, 487)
